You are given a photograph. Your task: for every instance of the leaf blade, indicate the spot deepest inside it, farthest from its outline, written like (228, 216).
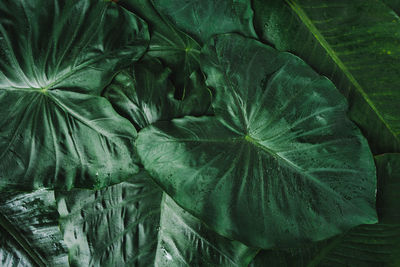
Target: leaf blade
(262, 142)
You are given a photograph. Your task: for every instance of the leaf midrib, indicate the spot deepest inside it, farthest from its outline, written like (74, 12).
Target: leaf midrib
(322, 41)
(20, 239)
(254, 142)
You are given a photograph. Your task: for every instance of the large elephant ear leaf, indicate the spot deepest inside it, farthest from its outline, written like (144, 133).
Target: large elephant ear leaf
(365, 245)
(355, 44)
(121, 226)
(144, 94)
(54, 60)
(71, 45)
(279, 165)
(29, 232)
(203, 19)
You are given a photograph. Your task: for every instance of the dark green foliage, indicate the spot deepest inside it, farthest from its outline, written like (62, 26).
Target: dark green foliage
(199, 133)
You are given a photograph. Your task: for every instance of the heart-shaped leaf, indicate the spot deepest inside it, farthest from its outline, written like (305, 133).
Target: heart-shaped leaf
(55, 57)
(279, 165)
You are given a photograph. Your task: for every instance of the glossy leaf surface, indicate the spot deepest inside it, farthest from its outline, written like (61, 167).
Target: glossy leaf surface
(203, 19)
(116, 226)
(120, 226)
(29, 233)
(279, 165)
(144, 94)
(53, 133)
(366, 245)
(185, 241)
(353, 43)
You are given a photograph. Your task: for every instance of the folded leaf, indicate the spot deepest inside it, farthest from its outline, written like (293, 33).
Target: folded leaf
(175, 48)
(279, 165)
(120, 226)
(29, 233)
(144, 94)
(185, 241)
(116, 226)
(354, 43)
(56, 56)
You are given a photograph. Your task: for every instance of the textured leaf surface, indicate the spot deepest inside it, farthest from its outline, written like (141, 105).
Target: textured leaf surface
(52, 133)
(185, 241)
(353, 43)
(29, 233)
(279, 165)
(366, 245)
(144, 94)
(175, 48)
(116, 226)
(203, 19)
(120, 226)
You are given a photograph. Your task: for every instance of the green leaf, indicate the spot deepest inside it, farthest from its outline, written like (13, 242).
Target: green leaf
(120, 226)
(279, 165)
(205, 18)
(366, 245)
(388, 195)
(62, 140)
(55, 131)
(393, 4)
(116, 226)
(175, 48)
(355, 44)
(29, 233)
(185, 241)
(66, 45)
(144, 94)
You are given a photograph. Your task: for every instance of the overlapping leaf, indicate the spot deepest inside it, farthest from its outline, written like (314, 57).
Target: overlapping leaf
(29, 233)
(121, 226)
(366, 245)
(144, 94)
(203, 19)
(116, 226)
(175, 48)
(53, 55)
(279, 165)
(353, 43)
